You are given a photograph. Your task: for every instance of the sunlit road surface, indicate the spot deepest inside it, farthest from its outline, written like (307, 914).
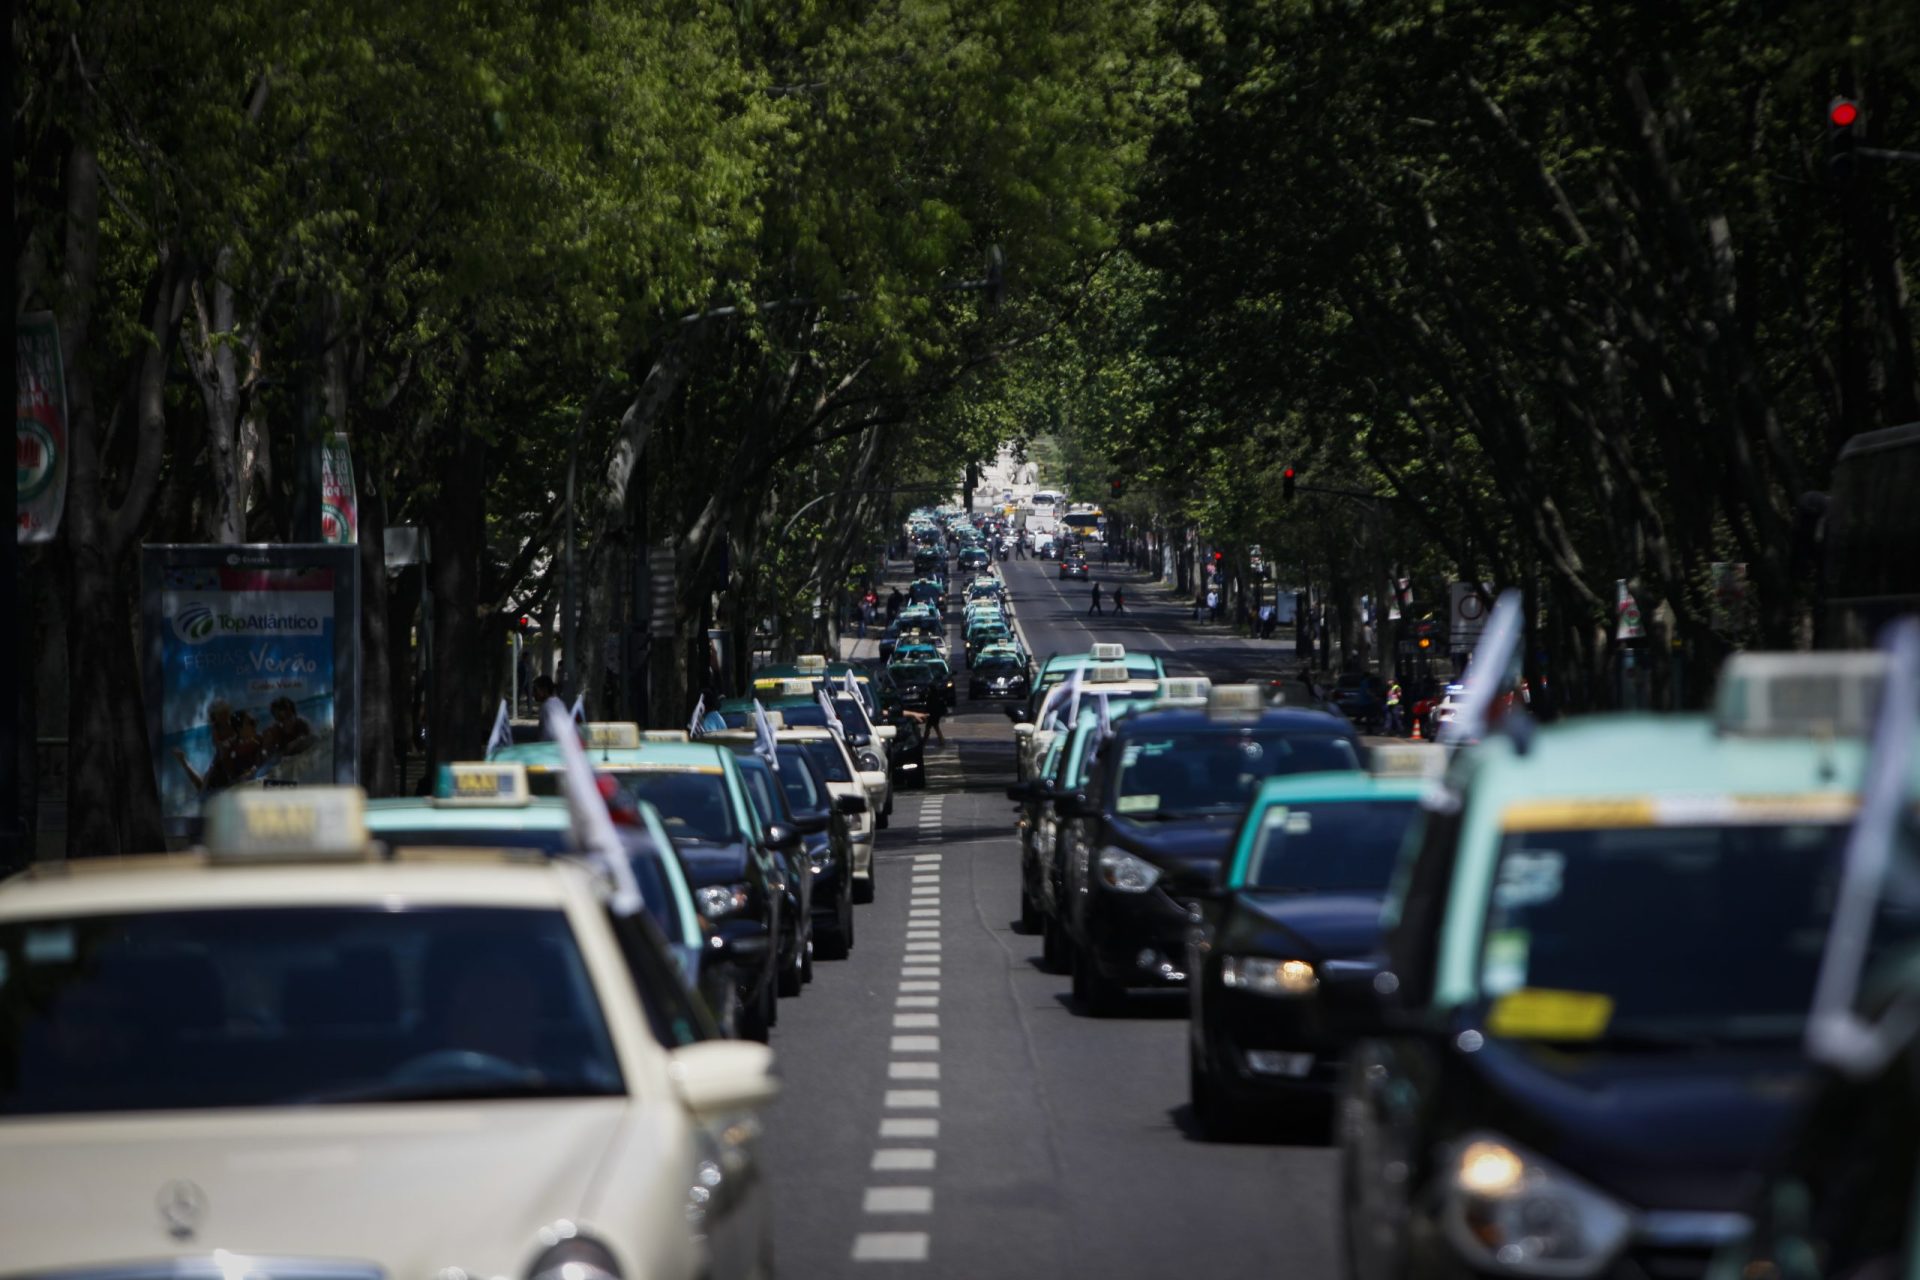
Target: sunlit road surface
(947, 1112)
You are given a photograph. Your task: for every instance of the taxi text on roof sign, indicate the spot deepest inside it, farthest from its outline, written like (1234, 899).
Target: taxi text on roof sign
(1109, 652)
(811, 662)
(482, 785)
(610, 734)
(286, 824)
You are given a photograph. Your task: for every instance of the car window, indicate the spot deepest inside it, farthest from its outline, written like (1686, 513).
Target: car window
(676, 1015)
(831, 759)
(1696, 931)
(804, 791)
(279, 1006)
(693, 805)
(544, 839)
(1209, 771)
(1329, 846)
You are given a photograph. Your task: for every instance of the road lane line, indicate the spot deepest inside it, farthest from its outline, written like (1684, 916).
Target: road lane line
(909, 1127)
(916, 1044)
(920, 986)
(918, 970)
(915, 1021)
(898, 1200)
(913, 1099)
(903, 1160)
(890, 1246)
(916, 1002)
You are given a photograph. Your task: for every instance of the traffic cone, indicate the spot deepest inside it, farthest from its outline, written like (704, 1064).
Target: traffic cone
(1416, 729)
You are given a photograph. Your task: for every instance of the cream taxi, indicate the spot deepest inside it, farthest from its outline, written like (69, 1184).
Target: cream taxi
(290, 1054)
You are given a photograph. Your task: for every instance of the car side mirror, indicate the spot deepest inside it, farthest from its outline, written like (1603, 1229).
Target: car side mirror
(783, 837)
(885, 732)
(852, 806)
(812, 824)
(1014, 711)
(1072, 804)
(1021, 792)
(1362, 1001)
(717, 1077)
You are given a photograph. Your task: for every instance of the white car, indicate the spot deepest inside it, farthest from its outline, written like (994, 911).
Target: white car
(287, 1056)
(844, 778)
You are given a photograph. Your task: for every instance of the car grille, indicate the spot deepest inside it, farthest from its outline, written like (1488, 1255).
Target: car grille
(226, 1266)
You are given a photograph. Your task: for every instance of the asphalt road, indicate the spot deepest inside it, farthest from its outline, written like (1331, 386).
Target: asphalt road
(947, 1112)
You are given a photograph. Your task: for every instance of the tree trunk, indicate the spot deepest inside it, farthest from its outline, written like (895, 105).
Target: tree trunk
(379, 769)
(460, 715)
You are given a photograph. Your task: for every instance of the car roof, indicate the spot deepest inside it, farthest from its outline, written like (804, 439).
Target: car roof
(657, 755)
(1339, 785)
(193, 881)
(1195, 720)
(539, 813)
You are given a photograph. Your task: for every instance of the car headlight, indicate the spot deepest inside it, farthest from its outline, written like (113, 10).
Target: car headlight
(1266, 976)
(717, 901)
(1510, 1211)
(573, 1258)
(1122, 871)
(870, 762)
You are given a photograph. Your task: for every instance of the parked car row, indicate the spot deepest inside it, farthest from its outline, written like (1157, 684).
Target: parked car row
(1549, 995)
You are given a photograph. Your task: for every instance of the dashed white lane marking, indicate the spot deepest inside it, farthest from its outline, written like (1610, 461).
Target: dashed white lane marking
(909, 1127)
(913, 1071)
(903, 1159)
(920, 986)
(916, 1002)
(927, 859)
(924, 912)
(898, 1200)
(924, 934)
(914, 1021)
(921, 971)
(924, 945)
(890, 1246)
(912, 1099)
(916, 1044)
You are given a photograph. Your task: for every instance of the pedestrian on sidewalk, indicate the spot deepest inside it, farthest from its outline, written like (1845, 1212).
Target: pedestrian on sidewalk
(1213, 604)
(936, 712)
(1119, 601)
(1096, 602)
(1199, 603)
(894, 601)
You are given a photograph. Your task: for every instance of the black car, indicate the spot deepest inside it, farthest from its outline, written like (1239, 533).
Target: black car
(826, 844)
(998, 676)
(1302, 896)
(1360, 697)
(781, 836)
(735, 881)
(1149, 828)
(975, 558)
(1074, 567)
(929, 560)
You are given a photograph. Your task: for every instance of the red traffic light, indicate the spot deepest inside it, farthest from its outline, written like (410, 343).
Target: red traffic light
(1288, 473)
(526, 623)
(1218, 556)
(1843, 113)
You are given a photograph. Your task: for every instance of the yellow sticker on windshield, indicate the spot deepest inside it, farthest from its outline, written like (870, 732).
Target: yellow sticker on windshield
(1539, 1013)
(1136, 804)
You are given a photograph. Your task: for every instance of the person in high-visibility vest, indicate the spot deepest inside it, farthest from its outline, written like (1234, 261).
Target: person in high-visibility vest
(1394, 725)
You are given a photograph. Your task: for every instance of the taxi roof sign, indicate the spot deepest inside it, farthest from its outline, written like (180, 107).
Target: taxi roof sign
(1405, 760)
(811, 662)
(795, 688)
(1108, 652)
(1775, 694)
(1107, 673)
(1236, 699)
(481, 785)
(665, 735)
(610, 734)
(1185, 687)
(286, 824)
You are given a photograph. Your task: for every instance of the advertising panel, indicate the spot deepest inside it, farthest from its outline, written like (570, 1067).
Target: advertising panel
(252, 669)
(40, 428)
(339, 501)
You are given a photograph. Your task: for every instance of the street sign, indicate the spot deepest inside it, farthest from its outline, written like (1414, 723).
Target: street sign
(1467, 611)
(660, 593)
(40, 428)
(1627, 610)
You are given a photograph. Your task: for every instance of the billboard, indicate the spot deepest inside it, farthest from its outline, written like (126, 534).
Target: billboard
(252, 669)
(339, 503)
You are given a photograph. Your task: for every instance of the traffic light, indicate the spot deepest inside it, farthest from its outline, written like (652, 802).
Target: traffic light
(526, 623)
(1286, 485)
(1843, 120)
(1115, 488)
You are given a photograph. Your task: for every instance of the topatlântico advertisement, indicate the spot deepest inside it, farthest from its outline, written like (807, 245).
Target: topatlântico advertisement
(252, 669)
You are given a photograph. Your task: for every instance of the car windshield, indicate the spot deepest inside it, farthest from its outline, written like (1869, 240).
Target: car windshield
(692, 802)
(1329, 846)
(1213, 771)
(1684, 931)
(796, 779)
(996, 663)
(274, 1007)
(832, 761)
(911, 673)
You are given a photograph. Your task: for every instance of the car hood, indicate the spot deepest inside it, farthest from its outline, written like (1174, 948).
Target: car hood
(413, 1188)
(713, 863)
(1312, 926)
(1678, 1129)
(1190, 849)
